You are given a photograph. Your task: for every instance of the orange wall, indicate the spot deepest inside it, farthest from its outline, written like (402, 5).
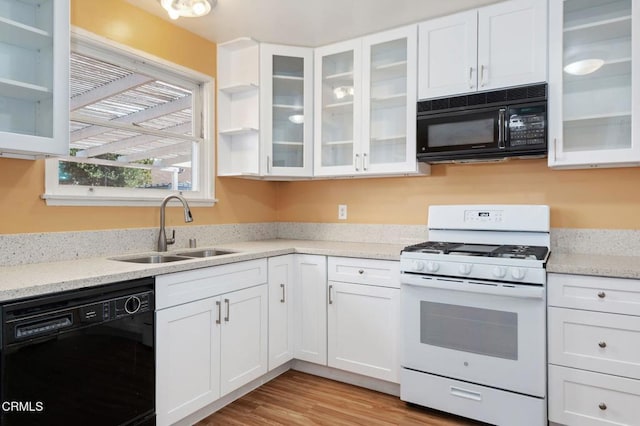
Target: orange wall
(602, 198)
(22, 182)
(594, 198)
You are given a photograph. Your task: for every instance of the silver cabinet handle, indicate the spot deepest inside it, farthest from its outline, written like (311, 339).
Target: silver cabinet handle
(219, 306)
(602, 344)
(356, 162)
(330, 290)
(482, 67)
(470, 77)
(602, 294)
(602, 406)
(282, 287)
(268, 164)
(364, 162)
(226, 301)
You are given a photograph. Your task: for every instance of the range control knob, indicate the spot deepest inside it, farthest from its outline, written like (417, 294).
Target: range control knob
(499, 272)
(132, 305)
(417, 265)
(464, 268)
(517, 273)
(432, 266)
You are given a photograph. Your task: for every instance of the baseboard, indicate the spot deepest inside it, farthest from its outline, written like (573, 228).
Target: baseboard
(302, 366)
(347, 377)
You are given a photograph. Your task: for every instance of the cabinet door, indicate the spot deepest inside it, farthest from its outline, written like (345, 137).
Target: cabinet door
(187, 359)
(34, 78)
(447, 55)
(286, 102)
(281, 282)
(338, 108)
(592, 95)
(243, 337)
(363, 325)
(389, 98)
(512, 44)
(310, 309)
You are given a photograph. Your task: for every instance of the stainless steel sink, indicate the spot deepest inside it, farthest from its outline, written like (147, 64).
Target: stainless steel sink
(153, 258)
(205, 253)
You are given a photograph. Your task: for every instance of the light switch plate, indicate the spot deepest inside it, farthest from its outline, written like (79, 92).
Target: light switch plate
(342, 212)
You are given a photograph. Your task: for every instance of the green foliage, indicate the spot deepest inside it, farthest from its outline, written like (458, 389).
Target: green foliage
(86, 174)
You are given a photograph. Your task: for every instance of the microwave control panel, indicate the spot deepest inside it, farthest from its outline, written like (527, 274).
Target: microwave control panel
(527, 126)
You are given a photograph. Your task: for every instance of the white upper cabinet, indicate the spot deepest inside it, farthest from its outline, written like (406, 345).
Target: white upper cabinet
(34, 78)
(496, 46)
(286, 102)
(238, 108)
(594, 90)
(264, 110)
(365, 105)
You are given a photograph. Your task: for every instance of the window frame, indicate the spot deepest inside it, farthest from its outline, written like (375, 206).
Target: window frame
(87, 43)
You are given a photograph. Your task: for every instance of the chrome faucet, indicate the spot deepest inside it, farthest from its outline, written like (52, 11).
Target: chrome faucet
(162, 237)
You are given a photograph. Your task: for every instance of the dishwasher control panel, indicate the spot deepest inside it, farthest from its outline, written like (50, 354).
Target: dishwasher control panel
(117, 308)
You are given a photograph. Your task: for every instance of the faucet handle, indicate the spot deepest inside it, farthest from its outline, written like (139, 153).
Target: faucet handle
(172, 240)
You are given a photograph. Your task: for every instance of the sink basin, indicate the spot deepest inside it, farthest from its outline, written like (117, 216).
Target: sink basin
(154, 258)
(205, 253)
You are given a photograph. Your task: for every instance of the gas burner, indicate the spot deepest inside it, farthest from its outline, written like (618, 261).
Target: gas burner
(480, 250)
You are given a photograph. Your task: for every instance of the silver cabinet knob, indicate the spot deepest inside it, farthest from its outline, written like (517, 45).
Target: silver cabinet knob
(602, 294)
(602, 344)
(602, 406)
(361, 271)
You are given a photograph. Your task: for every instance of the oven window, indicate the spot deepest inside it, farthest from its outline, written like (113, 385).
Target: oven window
(463, 328)
(461, 133)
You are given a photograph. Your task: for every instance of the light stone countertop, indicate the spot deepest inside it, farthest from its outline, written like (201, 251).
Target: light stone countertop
(594, 264)
(44, 278)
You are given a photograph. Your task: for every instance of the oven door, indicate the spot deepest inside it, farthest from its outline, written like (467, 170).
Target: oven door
(477, 331)
(462, 134)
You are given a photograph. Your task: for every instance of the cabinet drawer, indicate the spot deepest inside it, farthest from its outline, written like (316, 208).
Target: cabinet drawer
(182, 287)
(364, 271)
(583, 398)
(595, 341)
(615, 295)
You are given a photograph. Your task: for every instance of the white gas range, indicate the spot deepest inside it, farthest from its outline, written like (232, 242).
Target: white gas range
(474, 317)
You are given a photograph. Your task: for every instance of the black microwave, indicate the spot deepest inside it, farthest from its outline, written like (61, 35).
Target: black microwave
(484, 126)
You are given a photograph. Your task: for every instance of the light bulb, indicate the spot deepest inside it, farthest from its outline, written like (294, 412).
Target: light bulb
(199, 8)
(173, 14)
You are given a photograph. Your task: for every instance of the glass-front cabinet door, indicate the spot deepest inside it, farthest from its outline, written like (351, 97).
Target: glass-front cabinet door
(594, 83)
(389, 93)
(338, 108)
(34, 78)
(287, 101)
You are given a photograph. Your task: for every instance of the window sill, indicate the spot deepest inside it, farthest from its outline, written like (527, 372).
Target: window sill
(75, 200)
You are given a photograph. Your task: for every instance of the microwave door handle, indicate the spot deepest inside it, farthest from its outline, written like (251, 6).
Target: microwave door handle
(501, 127)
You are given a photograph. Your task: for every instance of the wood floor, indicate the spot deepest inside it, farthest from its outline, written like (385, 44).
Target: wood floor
(296, 398)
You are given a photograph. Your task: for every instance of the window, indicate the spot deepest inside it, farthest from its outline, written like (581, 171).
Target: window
(139, 130)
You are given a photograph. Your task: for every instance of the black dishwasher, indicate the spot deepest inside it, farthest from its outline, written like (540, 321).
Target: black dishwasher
(82, 357)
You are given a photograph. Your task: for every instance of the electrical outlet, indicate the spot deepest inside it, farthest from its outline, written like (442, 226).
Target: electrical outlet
(342, 211)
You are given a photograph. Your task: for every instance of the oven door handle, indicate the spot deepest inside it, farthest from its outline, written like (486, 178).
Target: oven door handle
(519, 291)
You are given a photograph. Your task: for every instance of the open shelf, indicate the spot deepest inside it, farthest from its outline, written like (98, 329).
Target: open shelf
(339, 107)
(239, 88)
(24, 91)
(333, 143)
(238, 131)
(391, 70)
(340, 76)
(12, 32)
(288, 77)
(386, 139)
(585, 118)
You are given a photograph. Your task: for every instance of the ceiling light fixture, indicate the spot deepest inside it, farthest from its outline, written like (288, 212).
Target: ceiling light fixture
(187, 8)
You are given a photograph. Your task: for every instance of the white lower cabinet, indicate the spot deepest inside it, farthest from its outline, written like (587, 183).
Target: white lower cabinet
(208, 347)
(310, 311)
(281, 281)
(363, 319)
(594, 350)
